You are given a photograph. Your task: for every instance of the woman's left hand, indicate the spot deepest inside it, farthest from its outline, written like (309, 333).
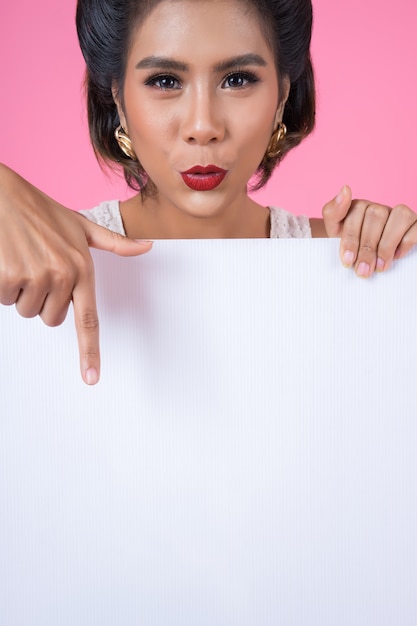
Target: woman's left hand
(372, 235)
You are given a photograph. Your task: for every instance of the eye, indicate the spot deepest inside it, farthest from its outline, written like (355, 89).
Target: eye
(239, 80)
(165, 82)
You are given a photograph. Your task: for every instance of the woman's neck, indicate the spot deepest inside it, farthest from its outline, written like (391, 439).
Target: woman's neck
(152, 219)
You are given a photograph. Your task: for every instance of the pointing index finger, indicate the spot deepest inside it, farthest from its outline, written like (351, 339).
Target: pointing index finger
(87, 327)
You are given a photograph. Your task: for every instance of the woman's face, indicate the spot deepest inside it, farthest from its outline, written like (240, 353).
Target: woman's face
(201, 89)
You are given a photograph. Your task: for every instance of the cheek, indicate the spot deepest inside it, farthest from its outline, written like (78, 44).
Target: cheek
(151, 128)
(259, 131)
(255, 132)
(138, 113)
(255, 120)
(150, 132)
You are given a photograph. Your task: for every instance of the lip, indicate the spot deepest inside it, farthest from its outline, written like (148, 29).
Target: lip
(203, 177)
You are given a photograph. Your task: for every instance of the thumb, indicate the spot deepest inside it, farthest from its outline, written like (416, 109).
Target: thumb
(335, 211)
(105, 239)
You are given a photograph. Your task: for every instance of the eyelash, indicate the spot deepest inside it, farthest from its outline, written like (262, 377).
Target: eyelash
(153, 81)
(249, 77)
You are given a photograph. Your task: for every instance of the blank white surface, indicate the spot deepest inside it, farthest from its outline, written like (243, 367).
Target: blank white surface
(248, 457)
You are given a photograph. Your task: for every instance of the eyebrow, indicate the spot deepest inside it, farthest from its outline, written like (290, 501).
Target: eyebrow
(240, 61)
(165, 63)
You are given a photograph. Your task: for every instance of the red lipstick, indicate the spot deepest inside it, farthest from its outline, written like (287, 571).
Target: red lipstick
(203, 178)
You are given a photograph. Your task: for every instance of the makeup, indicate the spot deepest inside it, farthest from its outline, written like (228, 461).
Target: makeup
(203, 178)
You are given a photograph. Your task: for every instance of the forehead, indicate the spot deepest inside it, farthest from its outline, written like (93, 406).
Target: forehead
(201, 30)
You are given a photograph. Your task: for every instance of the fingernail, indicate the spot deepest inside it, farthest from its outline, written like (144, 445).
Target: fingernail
(363, 269)
(339, 197)
(348, 258)
(91, 376)
(380, 265)
(144, 241)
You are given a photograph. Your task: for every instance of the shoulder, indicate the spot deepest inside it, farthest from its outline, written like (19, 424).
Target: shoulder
(285, 225)
(106, 214)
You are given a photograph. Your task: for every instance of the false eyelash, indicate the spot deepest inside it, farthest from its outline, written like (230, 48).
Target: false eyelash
(151, 80)
(250, 77)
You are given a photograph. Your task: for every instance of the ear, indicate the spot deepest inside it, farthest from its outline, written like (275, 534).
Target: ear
(116, 97)
(284, 93)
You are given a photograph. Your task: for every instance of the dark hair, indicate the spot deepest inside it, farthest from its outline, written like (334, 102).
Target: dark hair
(105, 29)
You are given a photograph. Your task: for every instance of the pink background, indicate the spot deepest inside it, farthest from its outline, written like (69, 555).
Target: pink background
(365, 54)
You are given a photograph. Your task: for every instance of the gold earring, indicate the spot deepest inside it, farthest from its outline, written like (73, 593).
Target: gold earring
(274, 149)
(125, 143)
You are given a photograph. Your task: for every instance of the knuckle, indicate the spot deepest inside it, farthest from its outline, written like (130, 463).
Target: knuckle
(402, 208)
(73, 261)
(351, 239)
(34, 279)
(409, 240)
(7, 300)
(53, 319)
(405, 213)
(367, 249)
(377, 211)
(64, 281)
(85, 265)
(26, 311)
(52, 322)
(10, 278)
(89, 320)
(372, 212)
(90, 353)
(66, 270)
(385, 250)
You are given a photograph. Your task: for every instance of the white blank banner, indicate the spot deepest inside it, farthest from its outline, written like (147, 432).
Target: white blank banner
(248, 458)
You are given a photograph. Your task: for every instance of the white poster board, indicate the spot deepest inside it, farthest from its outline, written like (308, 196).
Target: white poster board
(249, 456)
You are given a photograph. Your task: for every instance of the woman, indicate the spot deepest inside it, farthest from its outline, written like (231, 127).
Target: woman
(192, 99)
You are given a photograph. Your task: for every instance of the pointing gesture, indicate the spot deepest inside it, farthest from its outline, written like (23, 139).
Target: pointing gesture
(45, 262)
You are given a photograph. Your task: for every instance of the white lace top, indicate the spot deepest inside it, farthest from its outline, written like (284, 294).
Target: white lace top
(284, 225)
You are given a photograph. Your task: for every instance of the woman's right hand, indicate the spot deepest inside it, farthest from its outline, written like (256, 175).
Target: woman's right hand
(45, 262)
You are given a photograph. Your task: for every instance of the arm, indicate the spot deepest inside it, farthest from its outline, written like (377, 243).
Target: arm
(45, 262)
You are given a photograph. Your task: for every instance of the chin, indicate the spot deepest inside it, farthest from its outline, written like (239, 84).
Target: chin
(203, 204)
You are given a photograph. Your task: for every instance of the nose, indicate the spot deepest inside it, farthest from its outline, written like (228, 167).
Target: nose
(203, 121)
